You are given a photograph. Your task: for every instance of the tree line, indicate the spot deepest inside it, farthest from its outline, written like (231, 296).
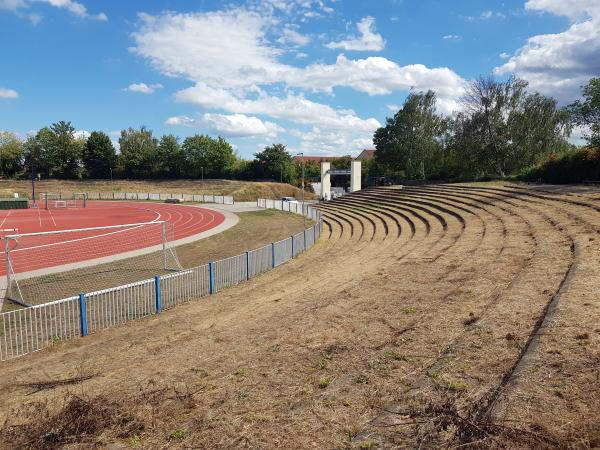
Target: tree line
(501, 130)
(57, 152)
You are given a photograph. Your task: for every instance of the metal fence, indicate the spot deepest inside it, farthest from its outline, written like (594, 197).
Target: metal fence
(30, 329)
(220, 199)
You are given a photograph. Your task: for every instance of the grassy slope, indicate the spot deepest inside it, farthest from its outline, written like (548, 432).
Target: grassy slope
(241, 190)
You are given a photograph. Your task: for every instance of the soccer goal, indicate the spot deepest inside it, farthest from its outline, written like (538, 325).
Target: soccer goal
(47, 266)
(56, 201)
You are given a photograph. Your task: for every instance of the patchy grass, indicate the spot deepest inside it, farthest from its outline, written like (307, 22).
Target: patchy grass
(240, 190)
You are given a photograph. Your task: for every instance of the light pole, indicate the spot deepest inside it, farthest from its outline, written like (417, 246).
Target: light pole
(202, 172)
(111, 178)
(303, 214)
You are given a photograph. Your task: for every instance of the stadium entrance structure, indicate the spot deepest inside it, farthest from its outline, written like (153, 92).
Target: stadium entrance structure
(327, 172)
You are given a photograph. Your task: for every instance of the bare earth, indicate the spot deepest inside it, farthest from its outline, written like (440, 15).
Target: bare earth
(438, 316)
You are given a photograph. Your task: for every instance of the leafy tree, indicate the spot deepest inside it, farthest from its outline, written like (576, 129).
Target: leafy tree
(138, 150)
(342, 162)
(503, 128)
(11, 154)
(409, 141)
(276, 163)
(65, 151)
(98, 155)
(38, 152)
(586, 112)
(208, 156)
(170, 158)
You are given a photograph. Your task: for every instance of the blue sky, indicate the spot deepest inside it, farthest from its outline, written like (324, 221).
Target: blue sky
(317, 75)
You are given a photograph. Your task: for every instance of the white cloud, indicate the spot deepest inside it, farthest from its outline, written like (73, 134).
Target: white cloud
(504, 55)
(230, 125)
(292, 37)
(558, 64)
(143, 88)
(579, 134)
(369, 39)
(8, 93)
(575, 10)
(393, 108)
(452, 37)
(240, 125)
(243, 74)
(82, 134)
(75, 8)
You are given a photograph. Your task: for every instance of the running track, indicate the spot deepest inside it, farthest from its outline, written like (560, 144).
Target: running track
(41, 252)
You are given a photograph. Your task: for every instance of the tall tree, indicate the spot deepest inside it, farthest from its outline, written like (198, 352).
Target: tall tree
(170, 160)
(504, 129)
(138, 150)
(11, 154)
(586, 112)
(275, 162)
(65, 150)
(98, 155)
(409, 140)
(208, 156)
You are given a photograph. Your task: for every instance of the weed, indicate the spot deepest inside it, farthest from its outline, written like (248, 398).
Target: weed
(409, 310)
(324, 382)
(361, 379)
(177, 435)
(240, 372)
(367, 445)
(457, 385)
(56, 340)
(323, 362)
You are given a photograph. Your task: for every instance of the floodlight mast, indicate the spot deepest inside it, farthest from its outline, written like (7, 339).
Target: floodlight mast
(303, 212)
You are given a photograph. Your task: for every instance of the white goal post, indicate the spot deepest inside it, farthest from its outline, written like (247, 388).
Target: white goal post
(38, 264)
(55, 201)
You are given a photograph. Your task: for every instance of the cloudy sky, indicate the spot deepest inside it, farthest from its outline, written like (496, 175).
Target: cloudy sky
(317, 75)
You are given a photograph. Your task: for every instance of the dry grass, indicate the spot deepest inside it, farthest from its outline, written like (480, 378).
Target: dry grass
(369, 340)
(240, 190)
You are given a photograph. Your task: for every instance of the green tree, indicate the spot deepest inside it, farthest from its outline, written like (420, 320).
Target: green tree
(208, 156)
(409, 140)
(98, 155)
(170, 158)
(276, 163)
(138, 150)
(503, 128)
(11, 154)
(65, 150)
(586, 112)
(38, 152)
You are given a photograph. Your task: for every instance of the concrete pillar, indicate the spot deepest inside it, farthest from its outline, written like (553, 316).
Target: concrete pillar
(325, 180)
(355, 175)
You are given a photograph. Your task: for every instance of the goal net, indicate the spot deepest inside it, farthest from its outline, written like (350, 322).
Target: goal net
(47, 266)
(57, 201)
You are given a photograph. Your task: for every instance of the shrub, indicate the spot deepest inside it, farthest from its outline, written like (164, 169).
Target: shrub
(572, 167)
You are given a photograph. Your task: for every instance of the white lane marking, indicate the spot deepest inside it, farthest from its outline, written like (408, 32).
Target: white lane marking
(52, 217)
(4, 220)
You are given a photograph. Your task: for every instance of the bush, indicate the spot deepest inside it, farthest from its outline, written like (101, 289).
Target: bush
(572, 167)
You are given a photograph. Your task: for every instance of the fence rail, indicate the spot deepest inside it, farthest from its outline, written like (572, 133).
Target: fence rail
(30, 329)
(220, 199)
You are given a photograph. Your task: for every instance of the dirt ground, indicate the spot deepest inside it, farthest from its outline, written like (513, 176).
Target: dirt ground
(240, 190)
(254, 230)
(437, 316)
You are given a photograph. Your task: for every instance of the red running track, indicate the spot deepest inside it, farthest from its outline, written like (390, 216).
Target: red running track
(30, 253)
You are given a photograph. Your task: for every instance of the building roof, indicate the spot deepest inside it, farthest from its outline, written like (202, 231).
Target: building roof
(316, 159)
(366, 153)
